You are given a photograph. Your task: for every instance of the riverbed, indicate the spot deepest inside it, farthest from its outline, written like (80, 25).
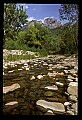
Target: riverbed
(49, 79)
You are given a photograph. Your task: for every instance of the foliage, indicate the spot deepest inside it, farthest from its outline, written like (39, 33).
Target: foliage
(19, 57)
(14, 18)
(61, 40)
(69, 12)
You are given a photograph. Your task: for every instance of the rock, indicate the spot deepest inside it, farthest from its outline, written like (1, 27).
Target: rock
(27, 68)
(12, 103)
(73, 88)
(72, 97)
(54, 87)
(76, 79)
(49, 112)
(19, 69)
(73, 71)
(75, 106)
(51, 74)
(73, 84)
(45, 64)
(39, 76)
(32, 78)
(10, 107)
(55, 106)
(48, 93)
(70, 80)
(59, 84)
(70, 77)
(70, 112)
(11, 88)
(66, 71)
(67, 93)
(10, 71)
(67, 103)
(51, 23)
(3, 73)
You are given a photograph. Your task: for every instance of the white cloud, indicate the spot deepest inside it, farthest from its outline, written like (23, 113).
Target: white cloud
(46, 18)
(30, 18)
(26, 7)
(41, 20)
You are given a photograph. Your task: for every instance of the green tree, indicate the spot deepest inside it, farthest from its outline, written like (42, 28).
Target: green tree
(14, 19)
(69, 12)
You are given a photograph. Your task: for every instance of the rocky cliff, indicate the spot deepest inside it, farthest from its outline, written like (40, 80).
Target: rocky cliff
(50, 23)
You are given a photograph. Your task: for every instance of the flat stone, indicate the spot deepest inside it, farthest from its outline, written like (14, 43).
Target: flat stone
(70, 80)
(70, 77)
(73, 71)
(66, 71)
(10, 71)
(54, 87)
(70, 112)
(67, 103)
(12, 103)
(75, 106)
(39, 76)
(51, 74)
(73, 84)
(27, 68)
(11, 88)
(73, 88)
(72, 97)
(59, 83)
(49, 112)
(19, 69)
(55, 106)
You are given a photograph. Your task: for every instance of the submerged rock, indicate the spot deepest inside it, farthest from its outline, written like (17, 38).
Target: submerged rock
(59, 84)
(54, 87)
(11, 88)
(48, 93)
(55, 106)
(12, 103)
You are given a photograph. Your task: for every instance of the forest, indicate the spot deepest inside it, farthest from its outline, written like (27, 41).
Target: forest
(61, 40)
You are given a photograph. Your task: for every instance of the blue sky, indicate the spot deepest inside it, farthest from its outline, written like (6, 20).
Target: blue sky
(41, 11)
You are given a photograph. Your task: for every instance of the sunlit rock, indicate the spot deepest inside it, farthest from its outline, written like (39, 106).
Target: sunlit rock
(59, 84)
(39, 76)
(12, 103)
(11, 88)
(54, 87)
(55, 106)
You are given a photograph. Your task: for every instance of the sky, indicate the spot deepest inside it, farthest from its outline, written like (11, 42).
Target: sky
(41, 11)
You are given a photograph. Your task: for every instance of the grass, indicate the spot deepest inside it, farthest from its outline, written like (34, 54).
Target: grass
(39, 53)
(18, 57)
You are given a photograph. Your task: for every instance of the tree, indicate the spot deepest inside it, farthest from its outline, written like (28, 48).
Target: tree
(14, 19)
(69, 12)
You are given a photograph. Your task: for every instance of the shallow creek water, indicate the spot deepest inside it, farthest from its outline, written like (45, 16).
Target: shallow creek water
(33, 90)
